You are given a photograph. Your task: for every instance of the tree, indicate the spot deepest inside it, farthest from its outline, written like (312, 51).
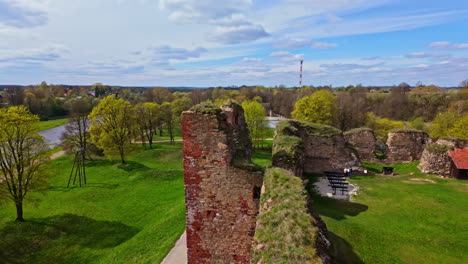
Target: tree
(99, 89)
(76, 134)
(161, 95)
(255, 118)
(444, 123)
(113, 126)
(464, 84)
(149, 119)
(167, 118)
(22, 155)
(318, 108)
(460, 129)
(382, 126)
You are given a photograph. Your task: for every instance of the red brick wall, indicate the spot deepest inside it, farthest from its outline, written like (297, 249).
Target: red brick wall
(220, 203)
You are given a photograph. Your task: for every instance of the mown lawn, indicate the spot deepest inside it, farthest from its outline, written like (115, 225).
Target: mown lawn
(409, 218)
(45, 125)
(125, 214)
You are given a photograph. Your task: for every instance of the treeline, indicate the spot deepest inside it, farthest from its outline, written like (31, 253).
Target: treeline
(353, 103)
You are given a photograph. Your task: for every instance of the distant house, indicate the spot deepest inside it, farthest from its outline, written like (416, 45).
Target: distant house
(459, 164)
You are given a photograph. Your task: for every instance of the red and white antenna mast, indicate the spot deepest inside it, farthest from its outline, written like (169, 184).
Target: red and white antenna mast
(300, 74)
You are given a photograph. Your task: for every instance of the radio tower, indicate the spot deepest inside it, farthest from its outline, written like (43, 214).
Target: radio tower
(300, 75)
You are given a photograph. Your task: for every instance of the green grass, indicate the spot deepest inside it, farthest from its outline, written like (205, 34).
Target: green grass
(399, 219)
(262, 157)
(177, 134)
(125, 214)
(45, 125)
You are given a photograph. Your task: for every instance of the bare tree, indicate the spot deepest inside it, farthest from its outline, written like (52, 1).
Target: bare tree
(76, 135)
(464, 84)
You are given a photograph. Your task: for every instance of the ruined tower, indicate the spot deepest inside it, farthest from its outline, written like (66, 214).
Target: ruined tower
(222, 187)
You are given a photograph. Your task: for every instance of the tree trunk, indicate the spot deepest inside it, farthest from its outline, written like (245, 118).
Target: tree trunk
(19, 212)
(122, 155)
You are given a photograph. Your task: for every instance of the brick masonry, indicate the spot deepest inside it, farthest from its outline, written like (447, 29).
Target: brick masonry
(221, 200)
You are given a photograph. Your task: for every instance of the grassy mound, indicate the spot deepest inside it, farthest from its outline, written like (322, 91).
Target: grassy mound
(357, 130)
(285, 232)
(129, 213)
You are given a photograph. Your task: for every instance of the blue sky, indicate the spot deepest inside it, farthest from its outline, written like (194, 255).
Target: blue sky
(233, 42)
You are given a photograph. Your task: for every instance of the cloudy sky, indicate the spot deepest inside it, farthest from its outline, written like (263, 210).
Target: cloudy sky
(233, 42)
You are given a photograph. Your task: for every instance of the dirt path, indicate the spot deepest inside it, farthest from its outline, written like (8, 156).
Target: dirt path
(58, 154)
(178, 254)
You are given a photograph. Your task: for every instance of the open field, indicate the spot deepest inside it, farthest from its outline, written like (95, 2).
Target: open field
(45, 125)
(125, 214)
(409, 218)
(135, 213)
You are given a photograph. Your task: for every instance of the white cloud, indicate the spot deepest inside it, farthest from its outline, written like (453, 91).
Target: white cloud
(286, 56)
(323, 45)
(426, 55)
(238, 34)
(203, 10)
(349, 66)
(291, 43)
(45, 53)
(14, 15)
(445, 45)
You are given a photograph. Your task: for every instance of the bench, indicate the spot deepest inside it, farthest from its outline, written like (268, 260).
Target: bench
(343, 189)
(336, 178)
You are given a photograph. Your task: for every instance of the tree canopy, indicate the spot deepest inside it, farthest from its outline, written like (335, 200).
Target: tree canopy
(255, 118)
(113, 126)
(22, 155)
(318, 108)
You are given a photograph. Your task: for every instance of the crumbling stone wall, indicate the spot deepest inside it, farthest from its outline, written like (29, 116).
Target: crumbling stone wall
(312, 148)
(363, 141)
(222, 187)
(405, 146)
(435, 157)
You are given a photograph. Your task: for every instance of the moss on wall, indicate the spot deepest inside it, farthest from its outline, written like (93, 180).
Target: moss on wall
(286, 232)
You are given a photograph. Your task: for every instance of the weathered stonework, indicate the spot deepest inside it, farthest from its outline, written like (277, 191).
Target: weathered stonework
(312, 148)
(363, 141)
(435, 157)
(406, 146)
(222, 187)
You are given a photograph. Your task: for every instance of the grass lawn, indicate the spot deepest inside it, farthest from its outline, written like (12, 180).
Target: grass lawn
(125, 214)
(45, 125)
(409, 218)
(262, 157)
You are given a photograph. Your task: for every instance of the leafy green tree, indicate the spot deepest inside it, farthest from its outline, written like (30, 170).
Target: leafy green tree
(442, 123)
(382, 126)
(460, 129)
(22, 155)
(417, 123)
(113, 126)
(255, 118)
(318, 108)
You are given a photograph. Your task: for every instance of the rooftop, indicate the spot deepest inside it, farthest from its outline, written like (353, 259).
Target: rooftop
(460, 158)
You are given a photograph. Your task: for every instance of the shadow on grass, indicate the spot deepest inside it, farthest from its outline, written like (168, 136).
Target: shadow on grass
(337, 209)
(342, 251)
(333, 208)
(64, 188)
(132, 166)
(60, 239)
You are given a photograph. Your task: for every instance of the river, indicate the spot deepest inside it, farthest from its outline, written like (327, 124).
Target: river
(52, 136)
